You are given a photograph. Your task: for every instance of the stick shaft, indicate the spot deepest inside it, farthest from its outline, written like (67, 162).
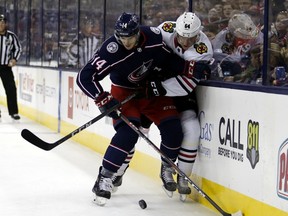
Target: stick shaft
(35, 140)
(180, 172)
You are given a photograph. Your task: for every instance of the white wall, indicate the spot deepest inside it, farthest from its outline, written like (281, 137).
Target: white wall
(238, 125)
(244, 144)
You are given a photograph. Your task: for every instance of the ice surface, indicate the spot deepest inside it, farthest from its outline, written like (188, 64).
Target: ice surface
(34, 182)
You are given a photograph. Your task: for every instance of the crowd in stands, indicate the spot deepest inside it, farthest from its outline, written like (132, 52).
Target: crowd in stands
(235, 29)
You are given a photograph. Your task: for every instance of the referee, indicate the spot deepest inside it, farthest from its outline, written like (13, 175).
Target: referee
(10, 50)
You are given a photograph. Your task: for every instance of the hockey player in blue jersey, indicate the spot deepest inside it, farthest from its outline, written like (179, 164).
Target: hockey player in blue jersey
(128, 57)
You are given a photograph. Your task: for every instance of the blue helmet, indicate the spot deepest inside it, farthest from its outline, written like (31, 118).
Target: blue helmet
(127, 25)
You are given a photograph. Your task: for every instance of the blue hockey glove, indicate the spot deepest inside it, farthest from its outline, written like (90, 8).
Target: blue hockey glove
(105, 101)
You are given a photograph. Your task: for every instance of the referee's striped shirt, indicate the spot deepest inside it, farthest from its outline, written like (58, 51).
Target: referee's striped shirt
(10, 47)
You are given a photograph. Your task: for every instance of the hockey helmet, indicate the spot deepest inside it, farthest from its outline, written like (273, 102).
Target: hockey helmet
(188, 25)
(242, 26)
(127, 25)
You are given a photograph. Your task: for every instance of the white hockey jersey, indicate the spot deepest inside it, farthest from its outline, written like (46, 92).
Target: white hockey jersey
(200, 51)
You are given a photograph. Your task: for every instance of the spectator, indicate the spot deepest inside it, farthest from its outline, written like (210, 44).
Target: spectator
(252, 74)
(213, 19)
(276, 6)
(10, 51)
(83, 46)
(275, 61)
(227, 10)
(213, 16)
(210, 30)
(279, 29)
(219, 9)
(256, 15)
(244, 5)
(200, 9)
(232, 45)
(284, 52)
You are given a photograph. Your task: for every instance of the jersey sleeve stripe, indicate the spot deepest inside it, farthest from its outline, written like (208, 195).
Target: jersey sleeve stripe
(187, 84)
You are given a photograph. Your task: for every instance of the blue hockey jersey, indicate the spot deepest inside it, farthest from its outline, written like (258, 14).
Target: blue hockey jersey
(129, 68)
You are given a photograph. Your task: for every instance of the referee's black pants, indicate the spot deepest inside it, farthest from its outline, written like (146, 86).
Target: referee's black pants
(9, 85)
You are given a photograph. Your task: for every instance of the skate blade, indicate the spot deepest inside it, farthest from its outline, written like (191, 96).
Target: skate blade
(100, 201)
(114, 189)
(183, 197)
(169, 193)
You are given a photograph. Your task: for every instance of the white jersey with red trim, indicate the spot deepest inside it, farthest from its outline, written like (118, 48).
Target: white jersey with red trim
(200, 51)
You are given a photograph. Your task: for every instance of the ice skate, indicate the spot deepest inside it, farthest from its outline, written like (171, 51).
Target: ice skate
(166, 175)
(100, 201)
(15, 117)
(102, 188)
(183, 187)
(117, 182)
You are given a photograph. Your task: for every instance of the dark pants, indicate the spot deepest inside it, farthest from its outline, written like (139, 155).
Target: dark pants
(9, 85)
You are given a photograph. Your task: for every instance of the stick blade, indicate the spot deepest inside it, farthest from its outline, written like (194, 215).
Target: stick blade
(33, 139)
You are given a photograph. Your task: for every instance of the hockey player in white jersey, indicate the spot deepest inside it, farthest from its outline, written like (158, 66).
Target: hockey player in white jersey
(187, 40)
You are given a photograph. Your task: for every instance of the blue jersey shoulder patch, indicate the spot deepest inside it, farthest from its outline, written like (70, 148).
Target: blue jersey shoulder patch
(112, 47)
(155, 30)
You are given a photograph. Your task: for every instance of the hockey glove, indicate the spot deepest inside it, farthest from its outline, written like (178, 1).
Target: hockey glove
(105, 101)
(199, 70)
(154, 88)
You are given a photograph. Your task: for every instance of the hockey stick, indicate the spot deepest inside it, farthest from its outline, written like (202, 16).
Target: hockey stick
(200, 191)
(33, 139)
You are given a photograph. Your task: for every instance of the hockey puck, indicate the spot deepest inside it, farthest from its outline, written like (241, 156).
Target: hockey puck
(142, 204)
